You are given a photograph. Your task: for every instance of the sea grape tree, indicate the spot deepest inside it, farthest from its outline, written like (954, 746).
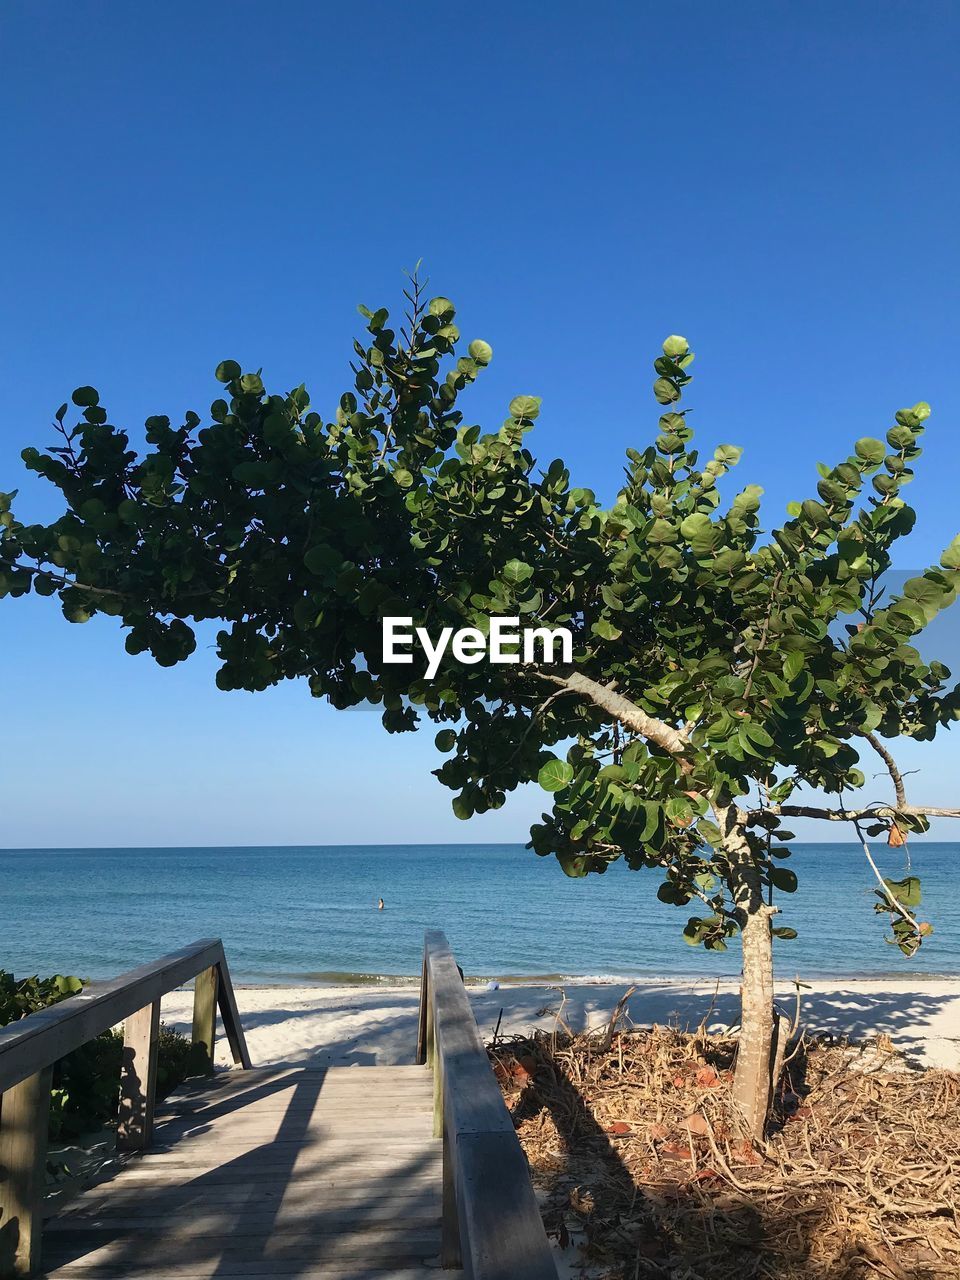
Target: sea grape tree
(720, 671)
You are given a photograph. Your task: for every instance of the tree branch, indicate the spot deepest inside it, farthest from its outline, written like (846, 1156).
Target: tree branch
(855, 815)
(62, 583)
(888, 893)
(891, 764)
(628, 713)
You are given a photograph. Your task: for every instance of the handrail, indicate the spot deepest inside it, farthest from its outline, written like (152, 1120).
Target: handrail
(491, 1222)
(30, 1047)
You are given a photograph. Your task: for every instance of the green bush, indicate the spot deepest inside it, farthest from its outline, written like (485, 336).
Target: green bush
(86, 1083)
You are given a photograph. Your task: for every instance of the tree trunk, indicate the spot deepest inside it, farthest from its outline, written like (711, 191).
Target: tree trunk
(752, 1082)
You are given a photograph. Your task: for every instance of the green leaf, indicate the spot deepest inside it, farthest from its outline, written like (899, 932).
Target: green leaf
(322, 558)
(701, 533)
(442, 307)
(906, 891)
(555, 775)
(679, 811)
(793, 664)
(782, 931)
(675, 346)
(870, 450)
(951, 557)
(756, 733)
(665, 391)
(573, 865)
(227, 371)
(783, 878)
(446, 740)
(527, 407)
(606, 630)
(516, 571)
(481, 351)
(85, 397)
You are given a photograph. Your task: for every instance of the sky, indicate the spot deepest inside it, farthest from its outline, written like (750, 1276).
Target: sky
(185, 183)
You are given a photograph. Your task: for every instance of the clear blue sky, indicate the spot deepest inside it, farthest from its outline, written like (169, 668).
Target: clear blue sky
(189, 182)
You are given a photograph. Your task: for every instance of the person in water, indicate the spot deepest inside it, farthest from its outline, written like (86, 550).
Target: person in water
(380, 905)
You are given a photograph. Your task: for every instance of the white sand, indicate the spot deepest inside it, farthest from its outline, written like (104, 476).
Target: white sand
(368, 1025)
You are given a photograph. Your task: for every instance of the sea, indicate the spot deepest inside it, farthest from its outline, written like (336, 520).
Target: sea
(309, 915)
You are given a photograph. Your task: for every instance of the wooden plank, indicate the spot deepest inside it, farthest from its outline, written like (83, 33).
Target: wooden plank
(205, 1009)
(230, 1083)
(24, 1119)
(230, 1016)
(253, 1270)
(226, 1111)
(285, 1128)
(490, 1210)
(255, 1167)
(392, 1195)
(245, 1220)
(34, 1042)
(375, 1244)
(171, 1178)
(220, 1150)
(498, 1211)
(392, 1105)
(138, 1078)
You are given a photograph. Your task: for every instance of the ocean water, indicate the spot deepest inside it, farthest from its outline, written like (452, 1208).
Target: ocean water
(292, 914)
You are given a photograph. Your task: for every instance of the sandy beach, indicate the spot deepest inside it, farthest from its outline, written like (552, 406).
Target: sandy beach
(346, 1025)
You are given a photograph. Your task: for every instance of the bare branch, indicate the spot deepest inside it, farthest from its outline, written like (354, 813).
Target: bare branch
(854, 815)
(888, 893)
(891, 764)
(62, 582)
(627, 712)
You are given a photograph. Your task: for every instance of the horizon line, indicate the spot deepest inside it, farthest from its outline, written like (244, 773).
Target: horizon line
(370, 844)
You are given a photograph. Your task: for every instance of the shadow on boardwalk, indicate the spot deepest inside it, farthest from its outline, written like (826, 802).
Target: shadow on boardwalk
(303, 1198)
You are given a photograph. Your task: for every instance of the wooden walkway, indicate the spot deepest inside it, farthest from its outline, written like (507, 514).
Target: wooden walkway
(343, 1173)
(257, 1174)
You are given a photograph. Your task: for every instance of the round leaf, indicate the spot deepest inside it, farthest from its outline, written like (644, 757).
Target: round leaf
(525, 407)
(555, 775)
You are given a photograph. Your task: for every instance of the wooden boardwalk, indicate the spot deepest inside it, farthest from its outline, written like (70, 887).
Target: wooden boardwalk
(342, 1173)
(331, 1174)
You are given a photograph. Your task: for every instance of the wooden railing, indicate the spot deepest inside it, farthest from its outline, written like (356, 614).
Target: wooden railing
(491, 1223)
(29, 1048)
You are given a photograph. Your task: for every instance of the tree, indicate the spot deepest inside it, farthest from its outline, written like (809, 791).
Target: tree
(715, 671)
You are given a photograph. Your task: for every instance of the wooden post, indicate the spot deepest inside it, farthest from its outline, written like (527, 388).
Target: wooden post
(230, 1016)
(451, 1254)
(205, 1010)
(23, 1158)
(422, 1015)
(138, 1078)
(429, 1040)
(437, 1093)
